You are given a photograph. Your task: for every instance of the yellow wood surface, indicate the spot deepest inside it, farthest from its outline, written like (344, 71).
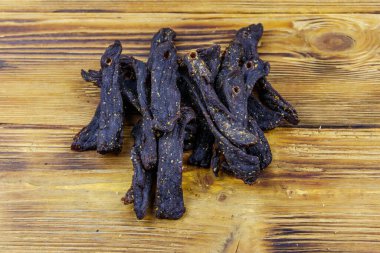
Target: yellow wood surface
(320, 194)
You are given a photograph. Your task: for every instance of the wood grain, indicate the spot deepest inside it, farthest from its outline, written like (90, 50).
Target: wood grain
(320, 194)
(197, 6)
(330, 77)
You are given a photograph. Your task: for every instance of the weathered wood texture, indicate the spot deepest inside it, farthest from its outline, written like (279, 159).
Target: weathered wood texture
(320, 194)
(197, 6)
(327, 66)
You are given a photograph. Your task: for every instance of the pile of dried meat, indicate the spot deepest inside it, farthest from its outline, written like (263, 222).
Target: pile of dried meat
(215, 104)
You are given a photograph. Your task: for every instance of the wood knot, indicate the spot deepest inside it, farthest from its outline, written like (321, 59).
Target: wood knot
(222, 197)
(204, 181)
(334, 42)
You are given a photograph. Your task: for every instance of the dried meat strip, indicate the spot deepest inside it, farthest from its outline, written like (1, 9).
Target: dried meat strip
(111, 116)
(138, 70)
(165, 96)
(273, 100)
(190, 136)
(169, 202)
(129, 84)
(249, 38)
(273, 103)
(144, 151)
(266, 118)
(143, 180)
(261, 149)
(240, 70)
(92, 76)
(86, 139)
(238, 81)
(89, 137)
(203, 148)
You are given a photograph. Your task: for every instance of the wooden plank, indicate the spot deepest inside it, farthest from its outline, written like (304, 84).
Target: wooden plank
(197, 6)
(320, 194)
(326, 65)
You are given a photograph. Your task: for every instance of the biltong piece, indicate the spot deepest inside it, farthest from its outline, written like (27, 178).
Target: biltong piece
(266, 118)
(144, 151)
(203, 148)
(273, 100)
(87, 137)
(143, 180)
(190, 136)
(169, 202)
(165, 96)
(269, 104)
(104, 132)
(249, 38)
(261, 149)
(240, 70)
(111, 103)
(128, 85)
(92, 76)
(141, 100)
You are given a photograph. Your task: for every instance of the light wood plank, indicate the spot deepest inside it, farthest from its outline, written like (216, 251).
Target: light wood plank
(319, 194)
(197, 6)
(326, 65)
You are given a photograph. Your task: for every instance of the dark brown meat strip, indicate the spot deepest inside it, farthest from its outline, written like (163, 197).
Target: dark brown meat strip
(142, 181)
(203, 148)
(204, 142)
(92, 76)
(149, 142)
(273, 100)
(266, 118)
(86, 138)
(129, 83)
(169, 196)
(190, 136)
(240, 70)
(165, 95)
(261, 149)
(111, 116)
(249, 38)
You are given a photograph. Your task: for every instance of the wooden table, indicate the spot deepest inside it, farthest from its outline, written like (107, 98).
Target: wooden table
(320, 194)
